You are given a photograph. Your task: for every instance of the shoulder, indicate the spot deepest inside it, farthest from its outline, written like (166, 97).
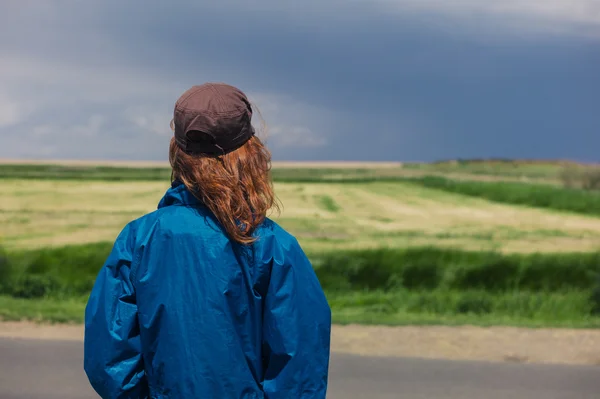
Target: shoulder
(135, 230)
(276, 244)
(139, 224)
(174, 220)
(271, 231)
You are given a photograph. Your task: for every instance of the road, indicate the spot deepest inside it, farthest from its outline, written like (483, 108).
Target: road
(32, 369)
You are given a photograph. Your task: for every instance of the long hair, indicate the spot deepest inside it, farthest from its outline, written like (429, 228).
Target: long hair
(236, 187)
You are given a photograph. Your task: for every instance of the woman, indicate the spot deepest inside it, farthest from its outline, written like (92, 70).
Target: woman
(206, 297)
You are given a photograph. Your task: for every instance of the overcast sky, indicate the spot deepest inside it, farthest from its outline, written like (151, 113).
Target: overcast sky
(407, 80)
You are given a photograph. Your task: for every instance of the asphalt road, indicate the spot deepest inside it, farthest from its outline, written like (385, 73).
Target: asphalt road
(52, 370)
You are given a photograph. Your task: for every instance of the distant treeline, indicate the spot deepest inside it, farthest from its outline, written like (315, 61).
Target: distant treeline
(70, 172)
(113, 173)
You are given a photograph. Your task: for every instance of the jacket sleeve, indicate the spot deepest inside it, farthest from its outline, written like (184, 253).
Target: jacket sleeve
(296, 331)
(112, 348)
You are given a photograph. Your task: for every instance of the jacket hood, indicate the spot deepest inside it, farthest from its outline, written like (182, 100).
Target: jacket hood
(178, 194)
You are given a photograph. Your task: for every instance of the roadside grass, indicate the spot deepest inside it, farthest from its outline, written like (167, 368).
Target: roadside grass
(346, 309)
(394, 286)
(70, 271)
(42, 310)
(442, 308)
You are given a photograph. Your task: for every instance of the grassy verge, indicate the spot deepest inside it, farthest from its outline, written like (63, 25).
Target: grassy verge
(71, 270)
(420, 285)
(45, 309)
(418, 269)
(375, 308)
(58, 273)
(570, 309)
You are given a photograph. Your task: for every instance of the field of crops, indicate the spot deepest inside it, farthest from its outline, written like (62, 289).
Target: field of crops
(431, 249)
(38, 213)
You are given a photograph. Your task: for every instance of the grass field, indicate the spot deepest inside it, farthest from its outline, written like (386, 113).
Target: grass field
(395, 286)
(467, 242)
(37, 213)
(558, 311)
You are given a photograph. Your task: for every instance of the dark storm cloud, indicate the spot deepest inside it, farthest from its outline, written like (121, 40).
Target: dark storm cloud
(379, 80)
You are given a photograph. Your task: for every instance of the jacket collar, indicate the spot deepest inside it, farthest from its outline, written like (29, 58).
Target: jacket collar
(178, 194)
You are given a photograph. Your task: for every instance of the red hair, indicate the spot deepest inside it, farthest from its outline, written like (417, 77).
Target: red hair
(236, 187)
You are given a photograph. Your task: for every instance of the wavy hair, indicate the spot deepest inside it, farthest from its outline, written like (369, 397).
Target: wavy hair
(236, 187)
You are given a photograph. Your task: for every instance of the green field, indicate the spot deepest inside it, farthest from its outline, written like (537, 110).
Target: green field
(448, 246)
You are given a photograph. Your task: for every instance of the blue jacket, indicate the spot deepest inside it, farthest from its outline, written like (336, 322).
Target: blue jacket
(180, 311)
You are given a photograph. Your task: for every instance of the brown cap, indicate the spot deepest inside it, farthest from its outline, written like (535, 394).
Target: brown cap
(213, 118)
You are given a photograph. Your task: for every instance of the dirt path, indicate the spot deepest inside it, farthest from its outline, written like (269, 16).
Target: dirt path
(498, 344)
(472, 343)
